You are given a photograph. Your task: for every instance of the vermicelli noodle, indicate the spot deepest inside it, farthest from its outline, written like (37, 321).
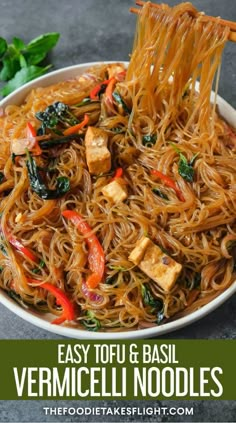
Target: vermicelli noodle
(176, 158)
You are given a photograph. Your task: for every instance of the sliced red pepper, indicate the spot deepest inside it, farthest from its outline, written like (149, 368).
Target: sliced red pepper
(19, 246)
(95, 91)
(22, 249)
(31, 133)
(74, 129)
(96, 256)
(118, 173)
(109, 91)
(61, 299)
(169, 182)
(94, 94)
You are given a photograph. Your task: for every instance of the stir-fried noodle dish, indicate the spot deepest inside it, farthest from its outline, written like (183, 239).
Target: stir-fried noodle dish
(118, 187)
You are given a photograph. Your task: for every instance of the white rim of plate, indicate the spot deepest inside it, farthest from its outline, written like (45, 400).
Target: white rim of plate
(32, 316)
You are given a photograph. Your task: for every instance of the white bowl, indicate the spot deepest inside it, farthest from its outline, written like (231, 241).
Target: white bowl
(43, 320)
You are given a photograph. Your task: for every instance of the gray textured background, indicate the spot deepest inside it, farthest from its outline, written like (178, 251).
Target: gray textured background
(93, 30)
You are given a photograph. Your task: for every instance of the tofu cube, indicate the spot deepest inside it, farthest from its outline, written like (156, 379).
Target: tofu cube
(98, 156)
(116, 191)
(161, 268)
(137, 254)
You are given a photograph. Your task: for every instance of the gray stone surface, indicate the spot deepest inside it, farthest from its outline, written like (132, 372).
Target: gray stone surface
(93, 30)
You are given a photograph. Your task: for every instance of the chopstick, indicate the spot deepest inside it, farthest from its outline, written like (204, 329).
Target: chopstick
(203, 18)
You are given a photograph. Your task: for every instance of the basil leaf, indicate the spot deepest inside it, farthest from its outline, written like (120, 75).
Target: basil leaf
(54, 114)
(18, 43)
(38, 186)
(148, 298)
(160, 316)
(3, 47)
(121, 102)
(23, 62)
(160, 193)
(185, 169)
(12, 294)
(156, 304)
(86, 100)
(43, 43)
(3, 247)
(194, 281)
(16, 297)
(22, 77)
(63, 186)
(118, 130)
(9, 69)
(149, 140)
(1, 177)
(197, 280)
(91, 323)
(40, 266)
(18, 56)
(34, 59)
(111, 280)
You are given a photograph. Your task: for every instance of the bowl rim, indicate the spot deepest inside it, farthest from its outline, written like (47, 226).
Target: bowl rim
(35, 318)
(73, 332)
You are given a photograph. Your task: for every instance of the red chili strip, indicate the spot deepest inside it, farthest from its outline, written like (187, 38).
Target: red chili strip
(74, 129)
(169, 182)
(96, 256)
(118, 173)
(95, 91)
(61, 299)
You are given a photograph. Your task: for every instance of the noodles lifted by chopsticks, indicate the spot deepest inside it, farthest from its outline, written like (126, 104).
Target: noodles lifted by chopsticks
(129, 173)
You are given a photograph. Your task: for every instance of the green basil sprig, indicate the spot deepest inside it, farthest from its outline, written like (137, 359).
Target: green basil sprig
(20, 62)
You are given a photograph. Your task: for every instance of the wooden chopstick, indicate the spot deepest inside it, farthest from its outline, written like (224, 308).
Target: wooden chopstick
(203, 17)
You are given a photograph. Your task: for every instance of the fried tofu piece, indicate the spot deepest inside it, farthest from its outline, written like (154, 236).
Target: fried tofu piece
(154, 263)
(98, 156)
(116, 191)
(137, 254)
